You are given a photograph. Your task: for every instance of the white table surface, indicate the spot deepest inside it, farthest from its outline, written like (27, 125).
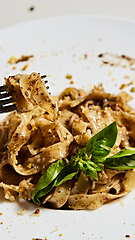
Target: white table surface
(15, 11)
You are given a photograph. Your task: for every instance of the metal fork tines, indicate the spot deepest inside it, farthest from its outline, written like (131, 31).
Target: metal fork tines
(7, 104)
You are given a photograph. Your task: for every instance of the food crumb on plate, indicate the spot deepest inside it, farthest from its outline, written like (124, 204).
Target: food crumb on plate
(126, 76)
(69, 76)
(132, 89)
(23, 58)
(39, 238)
(123, 86)
(72, 82)
(121, 202)
(55, 230)
(14, 67)
(31, 8)
(25, 66)
(21, 212)
(127, 236)
(36, 213)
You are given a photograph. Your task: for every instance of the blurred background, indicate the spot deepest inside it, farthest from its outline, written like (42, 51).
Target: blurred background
(15, 11)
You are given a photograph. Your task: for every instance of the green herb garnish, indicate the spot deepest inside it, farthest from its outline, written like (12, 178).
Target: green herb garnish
(89, 160)
(58, 173)
(123, 160)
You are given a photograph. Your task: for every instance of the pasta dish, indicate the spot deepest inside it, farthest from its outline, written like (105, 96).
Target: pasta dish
(74, 151)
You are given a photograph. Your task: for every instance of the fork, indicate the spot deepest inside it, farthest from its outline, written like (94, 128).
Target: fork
(7, 103)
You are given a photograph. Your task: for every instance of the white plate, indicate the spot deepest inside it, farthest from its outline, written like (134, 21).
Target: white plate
(59, 46)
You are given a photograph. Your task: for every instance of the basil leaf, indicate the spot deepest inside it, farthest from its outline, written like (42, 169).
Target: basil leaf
(41, 193)
(123, 160)
(90, 171)
(67, 173)
(95, 160)
(45, 183)
(124, 152)
(99, 146)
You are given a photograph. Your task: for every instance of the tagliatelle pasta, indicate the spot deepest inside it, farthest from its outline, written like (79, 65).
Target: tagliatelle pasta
(44, 130)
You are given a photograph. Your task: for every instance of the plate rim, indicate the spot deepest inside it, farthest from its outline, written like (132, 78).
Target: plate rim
(90, 16)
